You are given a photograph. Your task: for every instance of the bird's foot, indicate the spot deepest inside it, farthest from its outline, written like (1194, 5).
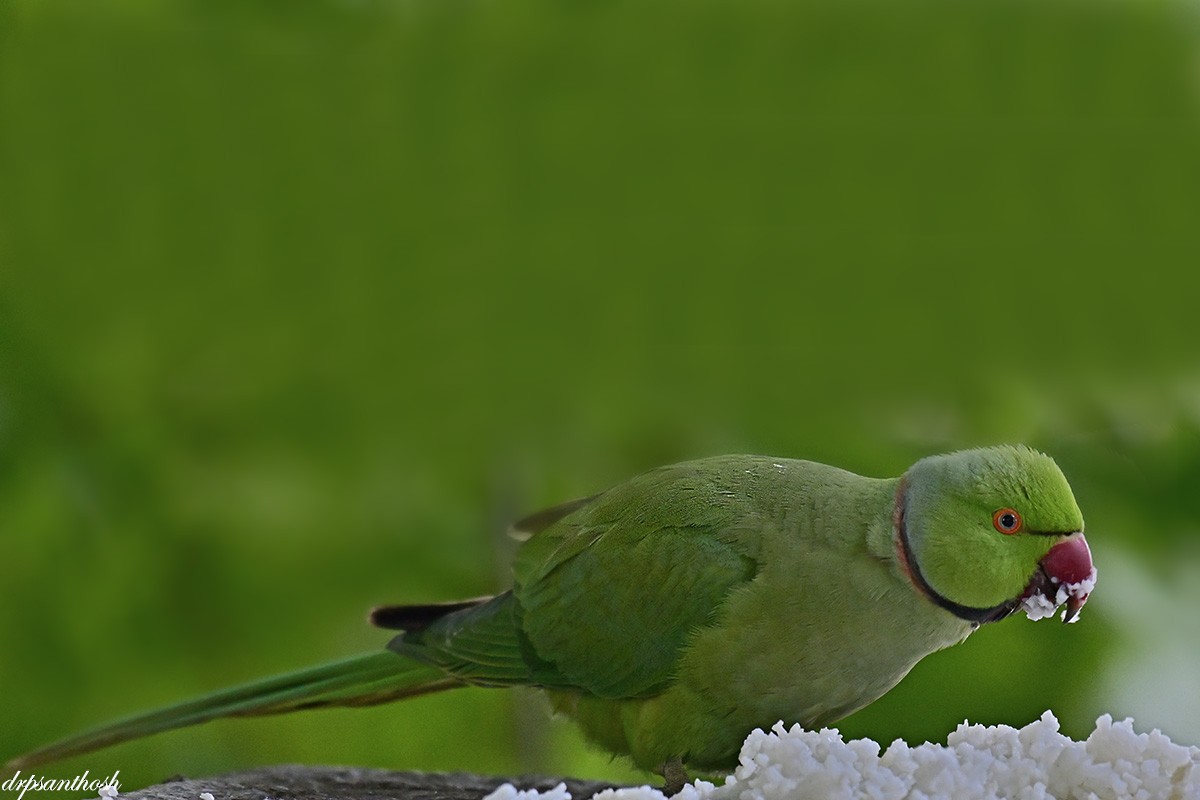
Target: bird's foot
(674, 776)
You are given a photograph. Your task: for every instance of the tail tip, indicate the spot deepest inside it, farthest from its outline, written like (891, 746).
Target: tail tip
(13, 764)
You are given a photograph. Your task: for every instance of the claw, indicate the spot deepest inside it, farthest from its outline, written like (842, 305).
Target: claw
(674, 776)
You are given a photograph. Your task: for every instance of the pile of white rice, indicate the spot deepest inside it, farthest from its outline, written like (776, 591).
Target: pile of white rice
(1033, 763)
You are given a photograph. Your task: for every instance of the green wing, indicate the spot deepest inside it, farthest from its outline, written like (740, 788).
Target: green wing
(482, 644)
(608, 589)
(610, 592)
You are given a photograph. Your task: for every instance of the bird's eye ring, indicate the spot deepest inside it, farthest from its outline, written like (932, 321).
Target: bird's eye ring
(1007, 520)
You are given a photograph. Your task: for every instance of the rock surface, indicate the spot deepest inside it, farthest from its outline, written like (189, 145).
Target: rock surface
(290, 782)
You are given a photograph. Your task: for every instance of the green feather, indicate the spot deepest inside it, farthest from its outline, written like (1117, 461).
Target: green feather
(673, 613)
(364, 680)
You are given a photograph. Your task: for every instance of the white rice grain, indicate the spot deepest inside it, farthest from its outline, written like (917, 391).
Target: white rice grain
(1036, 762)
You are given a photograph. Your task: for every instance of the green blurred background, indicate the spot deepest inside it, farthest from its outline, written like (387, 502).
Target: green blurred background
(300, 304)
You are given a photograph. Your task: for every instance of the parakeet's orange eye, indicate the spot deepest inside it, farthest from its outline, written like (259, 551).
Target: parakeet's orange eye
(1007, 520)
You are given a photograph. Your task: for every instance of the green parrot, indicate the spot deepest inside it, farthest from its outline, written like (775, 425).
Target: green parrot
(672, 614)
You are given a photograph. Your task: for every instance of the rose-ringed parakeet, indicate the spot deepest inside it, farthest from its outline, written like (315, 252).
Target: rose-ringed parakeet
(675, 612)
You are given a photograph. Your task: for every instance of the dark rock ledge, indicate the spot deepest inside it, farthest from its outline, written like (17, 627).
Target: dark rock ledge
(290, 782)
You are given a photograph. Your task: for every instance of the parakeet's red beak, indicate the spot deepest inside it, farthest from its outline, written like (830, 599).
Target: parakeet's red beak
(1066, 576)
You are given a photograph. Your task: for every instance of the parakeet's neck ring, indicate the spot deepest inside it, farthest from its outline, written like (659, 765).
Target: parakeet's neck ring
(908, 562)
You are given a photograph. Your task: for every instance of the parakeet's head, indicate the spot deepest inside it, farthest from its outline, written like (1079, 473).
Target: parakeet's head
(982, 531)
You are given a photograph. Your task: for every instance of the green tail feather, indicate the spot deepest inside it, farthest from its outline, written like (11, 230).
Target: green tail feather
(360, 681)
